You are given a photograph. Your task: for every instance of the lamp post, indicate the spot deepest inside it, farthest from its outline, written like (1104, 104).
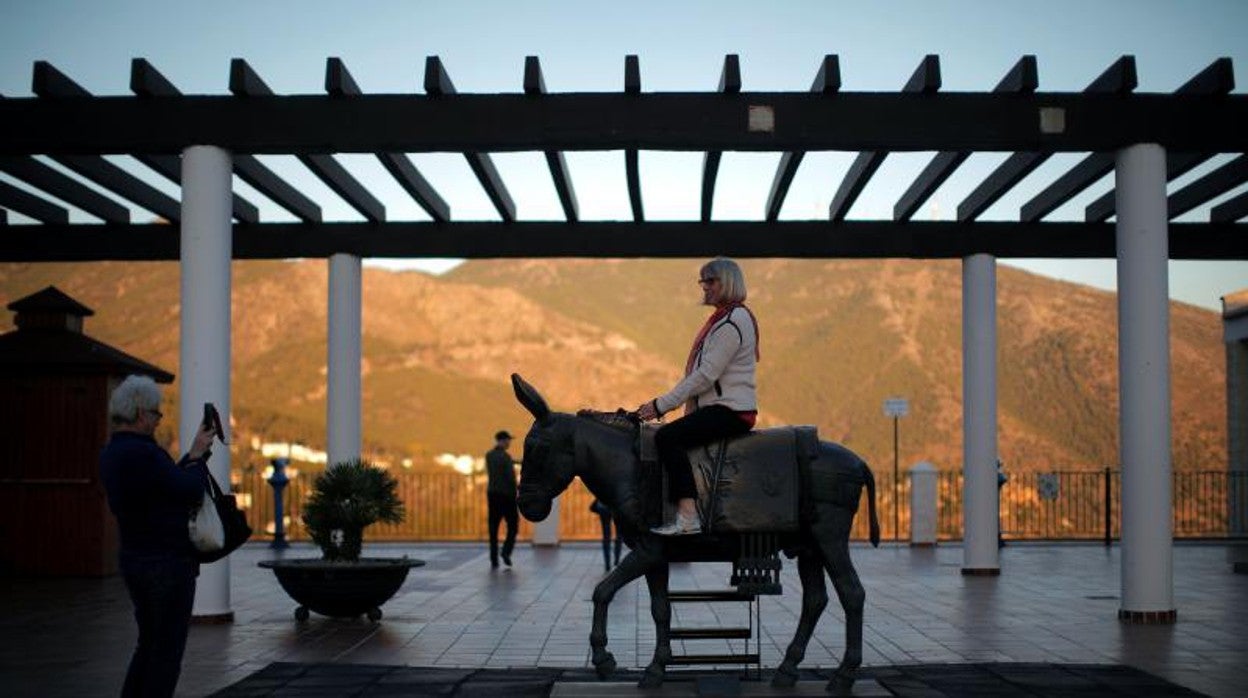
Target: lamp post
(278, 481)
(896, 407)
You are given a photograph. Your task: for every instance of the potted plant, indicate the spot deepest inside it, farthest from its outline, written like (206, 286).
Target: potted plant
(347, 498)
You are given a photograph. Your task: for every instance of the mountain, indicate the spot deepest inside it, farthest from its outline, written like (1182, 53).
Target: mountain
(837, 338)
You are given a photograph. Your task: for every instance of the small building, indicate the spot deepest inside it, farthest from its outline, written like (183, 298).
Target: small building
(55, 382)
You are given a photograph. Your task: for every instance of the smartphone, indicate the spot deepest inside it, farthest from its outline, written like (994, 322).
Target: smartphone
(213, 419)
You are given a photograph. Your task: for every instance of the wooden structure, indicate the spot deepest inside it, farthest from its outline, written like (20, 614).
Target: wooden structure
(54, 387)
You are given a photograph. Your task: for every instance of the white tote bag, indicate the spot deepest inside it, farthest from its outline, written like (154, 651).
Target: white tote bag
(207, 533)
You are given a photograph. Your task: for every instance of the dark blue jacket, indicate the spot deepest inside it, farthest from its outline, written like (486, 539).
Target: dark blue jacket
(151, 496)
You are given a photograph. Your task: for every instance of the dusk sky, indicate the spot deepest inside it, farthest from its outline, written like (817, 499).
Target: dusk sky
(681, 47)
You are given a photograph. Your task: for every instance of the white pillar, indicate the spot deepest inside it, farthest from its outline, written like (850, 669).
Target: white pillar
(546, 531)
(204, 363)
(979, 415)
(343, 391)
(923, 504)
(1144, 385)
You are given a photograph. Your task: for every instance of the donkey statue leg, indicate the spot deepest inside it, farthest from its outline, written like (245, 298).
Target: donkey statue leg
(831, 530)
(814, 600)
(630, 568)
(661, 612)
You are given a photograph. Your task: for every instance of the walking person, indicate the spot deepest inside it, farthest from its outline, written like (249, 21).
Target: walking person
(152, 497)
(501, 497)
(717, 392)
(604, 517)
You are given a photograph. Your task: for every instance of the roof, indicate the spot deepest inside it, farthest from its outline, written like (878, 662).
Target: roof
(1199, 121)
(50, 300)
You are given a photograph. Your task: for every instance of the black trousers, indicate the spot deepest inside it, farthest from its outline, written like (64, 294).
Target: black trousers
(698, 428)
(502, 508)
(162, 587)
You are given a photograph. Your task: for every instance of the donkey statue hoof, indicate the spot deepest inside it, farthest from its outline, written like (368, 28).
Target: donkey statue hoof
(652, 677)
(841, 684)
(785, 677)
(606, 667)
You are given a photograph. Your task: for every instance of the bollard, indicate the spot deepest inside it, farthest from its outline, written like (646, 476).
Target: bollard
(278, 481)
(923, 504)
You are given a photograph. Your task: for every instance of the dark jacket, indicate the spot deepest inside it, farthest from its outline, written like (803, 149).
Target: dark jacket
(150, 495)
(502, 473)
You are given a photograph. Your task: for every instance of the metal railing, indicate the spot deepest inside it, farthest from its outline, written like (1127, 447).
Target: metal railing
(1075, 505)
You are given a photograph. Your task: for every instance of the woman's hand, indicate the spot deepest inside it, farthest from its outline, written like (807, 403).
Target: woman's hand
(647, 412)
(202, 442)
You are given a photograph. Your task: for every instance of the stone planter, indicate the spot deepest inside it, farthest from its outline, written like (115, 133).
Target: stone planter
(341, 589)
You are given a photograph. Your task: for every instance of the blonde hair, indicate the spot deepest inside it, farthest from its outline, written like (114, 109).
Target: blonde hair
(731, 280)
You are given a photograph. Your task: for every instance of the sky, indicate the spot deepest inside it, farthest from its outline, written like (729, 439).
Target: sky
(681, 47)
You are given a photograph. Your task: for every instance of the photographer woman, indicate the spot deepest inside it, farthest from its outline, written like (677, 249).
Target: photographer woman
(152, 498)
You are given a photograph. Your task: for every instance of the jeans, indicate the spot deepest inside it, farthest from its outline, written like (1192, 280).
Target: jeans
(162, 587)
(502, 508)
(698, 428)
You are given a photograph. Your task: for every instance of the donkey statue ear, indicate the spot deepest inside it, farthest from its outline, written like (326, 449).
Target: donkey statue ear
(530, 398)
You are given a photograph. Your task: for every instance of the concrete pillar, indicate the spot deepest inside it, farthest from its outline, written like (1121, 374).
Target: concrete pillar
(546, 531)
(343, 396)
(204, 361)
(1144, 385)
(979, 415)
(1235, 334)
(924, 513)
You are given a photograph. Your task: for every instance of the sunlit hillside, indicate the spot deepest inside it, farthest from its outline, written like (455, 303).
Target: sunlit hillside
(837, 338)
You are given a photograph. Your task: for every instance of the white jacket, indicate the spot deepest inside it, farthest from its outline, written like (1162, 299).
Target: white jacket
(723, 369)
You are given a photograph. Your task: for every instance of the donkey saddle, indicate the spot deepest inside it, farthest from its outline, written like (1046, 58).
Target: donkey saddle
(748, 483)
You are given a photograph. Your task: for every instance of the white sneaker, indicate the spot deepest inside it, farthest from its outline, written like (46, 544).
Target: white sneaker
(682, 526)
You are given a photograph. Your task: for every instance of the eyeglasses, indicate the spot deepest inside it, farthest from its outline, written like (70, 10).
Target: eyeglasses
(708, 280)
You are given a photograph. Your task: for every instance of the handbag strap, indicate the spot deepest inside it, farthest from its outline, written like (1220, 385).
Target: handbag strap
(214, 490)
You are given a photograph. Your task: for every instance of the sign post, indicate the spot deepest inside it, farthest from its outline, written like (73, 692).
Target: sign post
(896, 407)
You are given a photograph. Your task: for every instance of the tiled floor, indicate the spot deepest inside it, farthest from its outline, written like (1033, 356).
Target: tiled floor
(1052, 603)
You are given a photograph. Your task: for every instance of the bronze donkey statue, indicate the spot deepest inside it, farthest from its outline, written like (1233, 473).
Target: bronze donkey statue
(559, 447)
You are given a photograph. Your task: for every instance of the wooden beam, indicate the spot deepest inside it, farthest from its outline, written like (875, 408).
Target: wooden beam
(730, 84)
(1119, 79)
(339, 83)
(925, 81)
(827, 81)
(535, 85)
(1213, 80)
(51, 84)
(1230, 210)
(690, 122)
(438, 85)
(1208, 187)
(245, 82)
(1021, 79)
(65, 188)
(30, 206)
(632, 166)
(124, 184)
(622, 239)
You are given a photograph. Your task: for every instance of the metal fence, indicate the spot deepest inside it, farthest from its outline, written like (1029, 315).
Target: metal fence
(1063, 505)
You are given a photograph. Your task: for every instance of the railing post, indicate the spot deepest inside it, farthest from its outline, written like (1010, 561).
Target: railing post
(278, 481)
(1109, 500)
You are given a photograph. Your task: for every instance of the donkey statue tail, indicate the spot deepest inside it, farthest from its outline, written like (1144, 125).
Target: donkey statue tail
(875, 521)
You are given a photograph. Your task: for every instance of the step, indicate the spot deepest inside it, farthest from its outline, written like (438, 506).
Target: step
(710, 633)
(691, 659)
(693, 596)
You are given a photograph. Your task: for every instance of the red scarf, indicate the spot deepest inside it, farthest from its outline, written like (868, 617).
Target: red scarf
(720, 313)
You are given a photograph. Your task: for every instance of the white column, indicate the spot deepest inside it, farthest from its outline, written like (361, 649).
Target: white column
(546, 531)
(204, 364)
(1144, 384)
(979, 415)
(923, 505)
(345, 321)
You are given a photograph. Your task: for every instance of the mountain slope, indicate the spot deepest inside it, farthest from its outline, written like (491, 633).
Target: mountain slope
(837, 338)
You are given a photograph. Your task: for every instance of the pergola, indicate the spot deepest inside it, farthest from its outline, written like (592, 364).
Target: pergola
(199, 142)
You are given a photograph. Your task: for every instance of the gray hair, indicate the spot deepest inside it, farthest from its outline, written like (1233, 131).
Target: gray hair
(135, 393)
(731, 280)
